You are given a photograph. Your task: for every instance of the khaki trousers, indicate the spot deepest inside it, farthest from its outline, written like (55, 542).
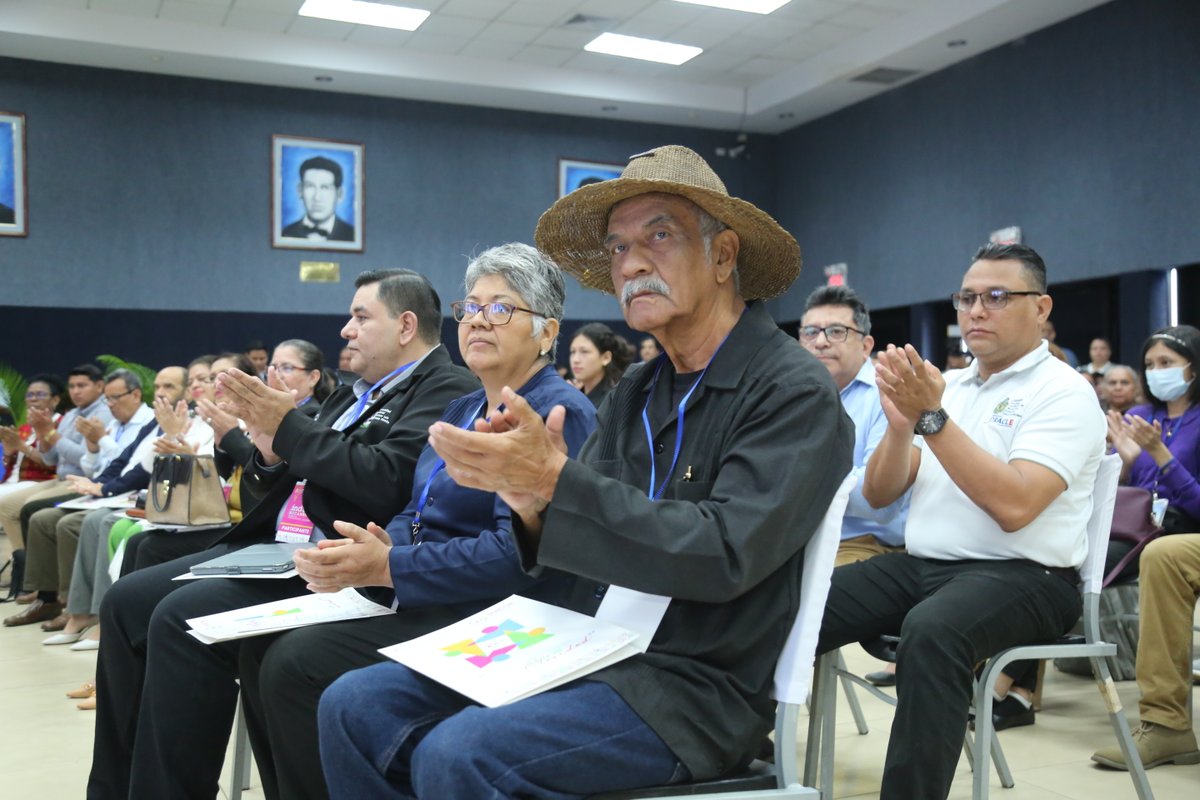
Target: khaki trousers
(860, 548)
(53, 540)
(11, 503)
(1168, 588)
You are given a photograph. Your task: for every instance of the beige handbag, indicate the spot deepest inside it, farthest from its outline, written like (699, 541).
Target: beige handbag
(186, 490)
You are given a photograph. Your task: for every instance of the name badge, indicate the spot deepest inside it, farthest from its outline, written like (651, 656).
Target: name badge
(294, 525)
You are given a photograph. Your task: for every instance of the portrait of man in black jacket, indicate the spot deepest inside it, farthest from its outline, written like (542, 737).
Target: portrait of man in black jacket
(320, 189)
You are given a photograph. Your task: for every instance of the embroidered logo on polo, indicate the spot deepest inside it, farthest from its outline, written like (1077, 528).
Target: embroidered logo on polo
(383, 415)
(1007, 412)
(497, 642)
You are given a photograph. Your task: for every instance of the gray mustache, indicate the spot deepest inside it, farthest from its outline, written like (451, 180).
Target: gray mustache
(640, 285)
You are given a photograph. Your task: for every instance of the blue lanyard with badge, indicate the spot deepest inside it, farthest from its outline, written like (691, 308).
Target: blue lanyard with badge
(365, 400)
(437, 467)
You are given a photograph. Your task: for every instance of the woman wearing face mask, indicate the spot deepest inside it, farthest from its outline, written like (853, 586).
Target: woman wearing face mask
(1159, 442)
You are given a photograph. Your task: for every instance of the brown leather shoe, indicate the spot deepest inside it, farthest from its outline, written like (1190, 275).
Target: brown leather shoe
(26, 598)
(37, 611)
(58, 623)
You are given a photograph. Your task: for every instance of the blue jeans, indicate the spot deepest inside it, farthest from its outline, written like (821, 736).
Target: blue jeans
(387, 731)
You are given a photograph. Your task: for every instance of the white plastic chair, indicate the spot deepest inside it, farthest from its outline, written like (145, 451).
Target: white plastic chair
(793, 676)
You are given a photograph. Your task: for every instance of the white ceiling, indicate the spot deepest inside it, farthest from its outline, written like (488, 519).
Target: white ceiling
(758, 73)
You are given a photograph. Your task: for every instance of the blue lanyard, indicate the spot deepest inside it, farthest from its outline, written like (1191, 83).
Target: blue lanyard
(437, 467)
(652, 493)
(361, 406)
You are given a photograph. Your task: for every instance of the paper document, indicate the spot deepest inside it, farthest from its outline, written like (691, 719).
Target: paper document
(515, 649)
(88, 503)
(280, 615)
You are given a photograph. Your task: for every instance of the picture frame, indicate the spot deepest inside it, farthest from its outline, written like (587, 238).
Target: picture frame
(317, 198)
(14, 204)
(573, 173)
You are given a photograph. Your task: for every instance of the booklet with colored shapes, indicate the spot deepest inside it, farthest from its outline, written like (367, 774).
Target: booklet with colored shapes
(515, 649)
(280, 615)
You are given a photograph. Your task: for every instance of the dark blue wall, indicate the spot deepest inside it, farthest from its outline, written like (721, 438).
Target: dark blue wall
(152, 193)
(1084, 134)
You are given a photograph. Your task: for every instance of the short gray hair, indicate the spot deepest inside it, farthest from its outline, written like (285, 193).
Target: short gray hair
(530, 274)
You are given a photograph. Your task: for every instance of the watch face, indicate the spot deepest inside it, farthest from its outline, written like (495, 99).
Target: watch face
(930, 422)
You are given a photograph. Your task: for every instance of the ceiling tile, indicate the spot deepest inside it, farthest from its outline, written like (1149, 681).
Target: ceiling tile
(865, 18)
(764, 67)
(619, 9)
(745, 46)
(309, 28)
(776, 29)
(288, 7)
(507, 32)
(650, 29)
(714, 61)
(539, 12)
(798, 49)
(812, 10)
(258, 21)
(76, 4)
(432, 43)
(643, 69)
(700, 36)
(493, 51)
(474, 9)
(570, 38)
(671, 11)
(373, 36)
(592, 62)
(545, 56)
(133, 8)
(452, 26)
(197, 13)
(903, 6)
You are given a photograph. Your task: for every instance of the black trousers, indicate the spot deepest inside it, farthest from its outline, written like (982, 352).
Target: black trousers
(282, 680)
(165, 702)
(950, 615)
(148, 548)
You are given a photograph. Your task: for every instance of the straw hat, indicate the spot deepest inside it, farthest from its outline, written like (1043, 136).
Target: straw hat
(572, 230)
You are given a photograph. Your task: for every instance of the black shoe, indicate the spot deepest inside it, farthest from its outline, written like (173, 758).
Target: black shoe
(1011, 713)
(18, 576)
(881, 678)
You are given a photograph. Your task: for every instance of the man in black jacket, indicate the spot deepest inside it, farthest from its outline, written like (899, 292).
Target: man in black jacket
(165, 707)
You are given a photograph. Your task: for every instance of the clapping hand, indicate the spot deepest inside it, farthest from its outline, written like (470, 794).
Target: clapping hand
(359, 559)
(907, 385)
(172, 419)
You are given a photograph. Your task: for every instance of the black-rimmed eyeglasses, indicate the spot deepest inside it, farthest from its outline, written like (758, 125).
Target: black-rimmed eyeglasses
(834, 333)
(992, 299)
(493, 313)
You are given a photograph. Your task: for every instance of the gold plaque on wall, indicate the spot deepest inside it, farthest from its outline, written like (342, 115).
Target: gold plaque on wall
(320, 272)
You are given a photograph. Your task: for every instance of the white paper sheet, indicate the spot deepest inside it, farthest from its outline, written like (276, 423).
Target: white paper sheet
(280, 615)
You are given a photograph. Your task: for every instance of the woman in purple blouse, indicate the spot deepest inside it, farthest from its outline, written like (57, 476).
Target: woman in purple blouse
(1159, 442)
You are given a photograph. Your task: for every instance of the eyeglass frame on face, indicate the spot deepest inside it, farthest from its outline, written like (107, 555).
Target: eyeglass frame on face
(112, 401)
(288, 369)
(998, 299)
(37, 395)
(817, 330)
(462, 311)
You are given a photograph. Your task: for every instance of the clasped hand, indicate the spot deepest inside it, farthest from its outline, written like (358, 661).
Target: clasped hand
(360, 559)
(907, 385)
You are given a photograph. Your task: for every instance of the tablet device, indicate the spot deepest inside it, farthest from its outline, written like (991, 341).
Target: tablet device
(262, 559)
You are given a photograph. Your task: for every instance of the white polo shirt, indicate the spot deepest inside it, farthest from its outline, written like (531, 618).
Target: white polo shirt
(1038, 410)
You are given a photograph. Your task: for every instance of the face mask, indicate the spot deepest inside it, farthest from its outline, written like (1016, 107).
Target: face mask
(1167, 383)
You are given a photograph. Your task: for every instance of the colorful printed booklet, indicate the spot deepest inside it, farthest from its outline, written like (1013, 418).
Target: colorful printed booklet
(515, 649)
(280, 615)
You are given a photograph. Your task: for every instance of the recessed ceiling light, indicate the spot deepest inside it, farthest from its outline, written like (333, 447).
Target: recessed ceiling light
(956, 43)
(360, 12)
(323, 79)
(753, 6)
(614, 44)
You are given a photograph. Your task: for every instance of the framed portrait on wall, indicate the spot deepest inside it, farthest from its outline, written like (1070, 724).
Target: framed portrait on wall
(14, 214)
(572, 174)
(316, 194)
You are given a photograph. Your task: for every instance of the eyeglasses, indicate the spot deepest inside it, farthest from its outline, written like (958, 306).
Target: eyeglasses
(992, 299)
(286, 369)
(205, 379)
(834, 333)
(36, 395)
(494, 313)
(114, 399)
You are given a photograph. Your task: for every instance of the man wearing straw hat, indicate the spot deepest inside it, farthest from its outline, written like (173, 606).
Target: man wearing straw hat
(710, 469)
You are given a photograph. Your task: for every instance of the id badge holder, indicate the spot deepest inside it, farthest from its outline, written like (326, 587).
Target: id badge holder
(294, 524)
(1158, 510)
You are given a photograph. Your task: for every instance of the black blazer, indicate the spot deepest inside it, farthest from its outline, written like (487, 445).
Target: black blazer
(362, 474)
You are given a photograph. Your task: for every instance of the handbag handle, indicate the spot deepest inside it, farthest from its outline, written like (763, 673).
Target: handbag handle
(160, 482)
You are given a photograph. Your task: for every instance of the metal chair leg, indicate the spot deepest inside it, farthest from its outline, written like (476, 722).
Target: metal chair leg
(860, 721)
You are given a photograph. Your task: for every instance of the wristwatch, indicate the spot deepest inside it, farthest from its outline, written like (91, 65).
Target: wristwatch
(931, 422)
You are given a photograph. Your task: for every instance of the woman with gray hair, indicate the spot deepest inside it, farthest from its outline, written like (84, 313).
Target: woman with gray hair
(450, 552)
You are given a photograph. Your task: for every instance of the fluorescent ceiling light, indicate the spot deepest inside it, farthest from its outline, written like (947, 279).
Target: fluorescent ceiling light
(614, 44)
(360, 12)
(753, 6)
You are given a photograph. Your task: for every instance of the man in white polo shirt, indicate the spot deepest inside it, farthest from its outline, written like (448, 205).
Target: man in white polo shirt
(1001, 459)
